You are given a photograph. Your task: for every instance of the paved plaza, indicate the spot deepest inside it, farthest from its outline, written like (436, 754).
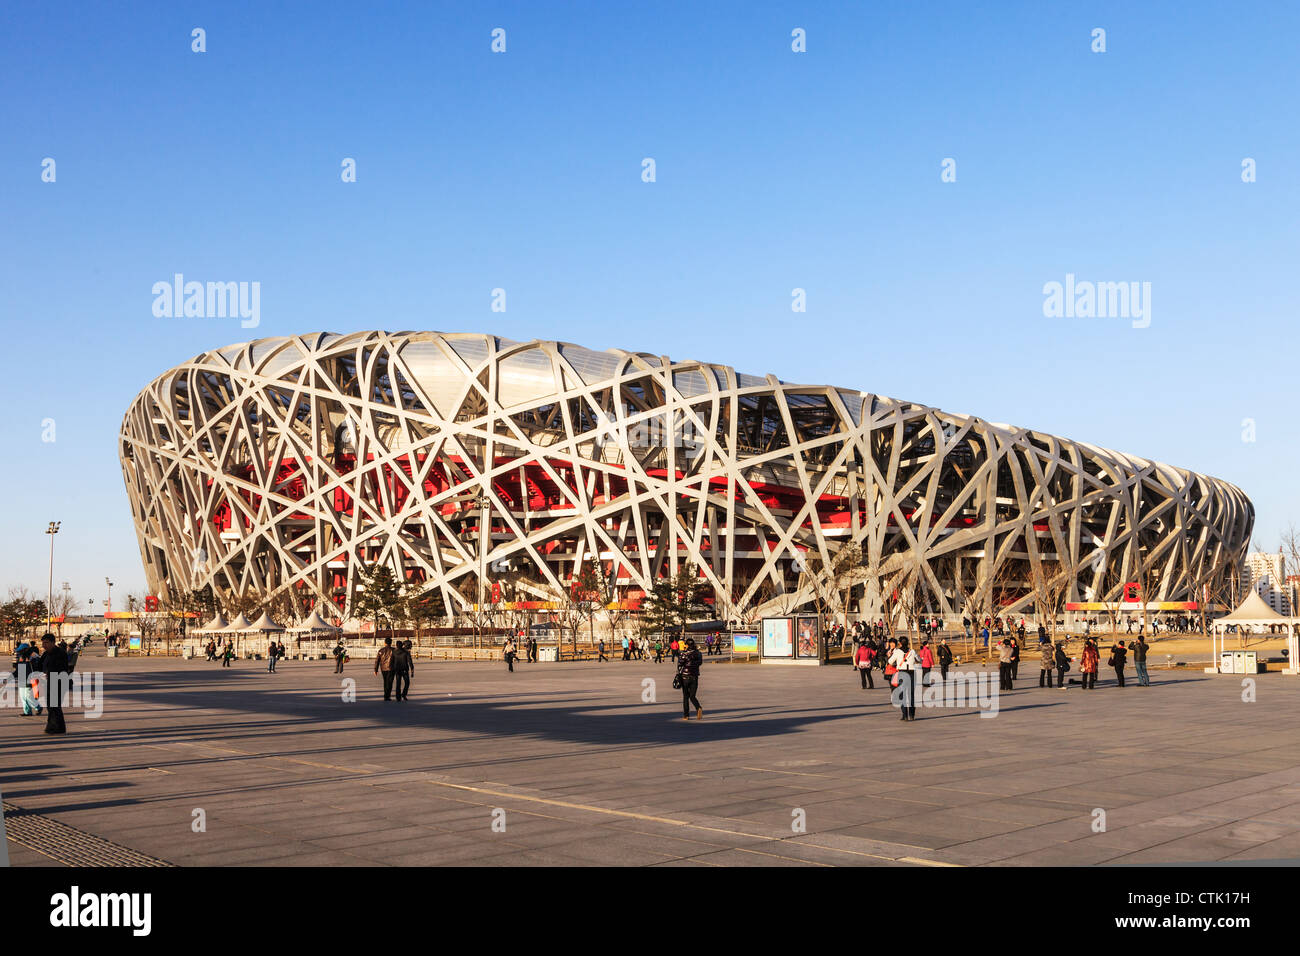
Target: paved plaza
(573, 768)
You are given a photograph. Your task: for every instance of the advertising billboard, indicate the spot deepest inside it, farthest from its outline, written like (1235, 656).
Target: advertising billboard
(808, 641)
(778, 637)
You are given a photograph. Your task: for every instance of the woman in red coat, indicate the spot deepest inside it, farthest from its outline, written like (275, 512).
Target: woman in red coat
(1088, 665)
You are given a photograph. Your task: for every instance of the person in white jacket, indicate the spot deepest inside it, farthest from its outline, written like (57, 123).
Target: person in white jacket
(909, 669)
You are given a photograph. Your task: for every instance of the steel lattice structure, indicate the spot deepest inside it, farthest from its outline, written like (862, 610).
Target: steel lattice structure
(276, 467)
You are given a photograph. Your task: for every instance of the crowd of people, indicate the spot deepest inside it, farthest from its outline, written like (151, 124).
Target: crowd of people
(644, 649)
(275, 652)
(907, 667)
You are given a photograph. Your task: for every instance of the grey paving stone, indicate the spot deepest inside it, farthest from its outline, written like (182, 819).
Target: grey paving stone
(586, 774)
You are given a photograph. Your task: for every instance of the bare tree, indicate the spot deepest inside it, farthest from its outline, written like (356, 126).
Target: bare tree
(1050, 582)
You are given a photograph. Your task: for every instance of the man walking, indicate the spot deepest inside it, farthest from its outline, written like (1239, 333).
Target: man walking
(1048, 655)
(272, 653)
(384, 667)
(600, 651)
(403, 668)
(340, 657)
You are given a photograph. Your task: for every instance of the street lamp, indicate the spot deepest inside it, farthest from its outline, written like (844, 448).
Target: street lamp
(52, 530)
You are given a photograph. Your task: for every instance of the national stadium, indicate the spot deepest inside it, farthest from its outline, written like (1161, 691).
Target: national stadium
(277, 468)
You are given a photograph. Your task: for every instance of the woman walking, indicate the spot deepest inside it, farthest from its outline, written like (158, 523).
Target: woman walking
(688, 674)
(862, 660)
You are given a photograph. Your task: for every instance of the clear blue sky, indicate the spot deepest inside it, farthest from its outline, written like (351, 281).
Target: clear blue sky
(775, 170)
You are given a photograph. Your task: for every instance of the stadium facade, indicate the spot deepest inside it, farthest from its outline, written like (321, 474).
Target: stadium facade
(275, 468)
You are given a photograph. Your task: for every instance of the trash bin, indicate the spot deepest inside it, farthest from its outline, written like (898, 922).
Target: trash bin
(1228, 662)
(1249, 662)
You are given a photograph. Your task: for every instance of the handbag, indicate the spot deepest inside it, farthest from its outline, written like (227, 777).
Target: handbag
(677, 681)
(1110, 662)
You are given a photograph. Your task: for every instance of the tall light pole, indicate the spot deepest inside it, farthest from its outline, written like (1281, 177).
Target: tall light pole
(108, 607)
(484, 517)
(67, 604)
(52, 530)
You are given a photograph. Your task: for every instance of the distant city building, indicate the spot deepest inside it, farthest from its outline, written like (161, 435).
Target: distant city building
(1264, 571)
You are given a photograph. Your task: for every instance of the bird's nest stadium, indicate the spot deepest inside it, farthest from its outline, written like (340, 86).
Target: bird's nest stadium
(278, 467)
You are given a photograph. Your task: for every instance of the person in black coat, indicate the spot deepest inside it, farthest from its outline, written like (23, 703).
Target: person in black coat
(1118, 660)
(403, 668)
(1062, 663)
(54, 665)
(688, 672)
(945, 659)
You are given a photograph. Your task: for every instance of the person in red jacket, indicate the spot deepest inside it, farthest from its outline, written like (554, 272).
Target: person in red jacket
(862, 660)
(1088, 664)
(927, 661)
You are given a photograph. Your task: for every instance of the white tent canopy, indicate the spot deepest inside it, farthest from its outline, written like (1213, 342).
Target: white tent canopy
(1248, 613)
(316, 623)
(264, 623)
(240, 625)
(218, 623)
